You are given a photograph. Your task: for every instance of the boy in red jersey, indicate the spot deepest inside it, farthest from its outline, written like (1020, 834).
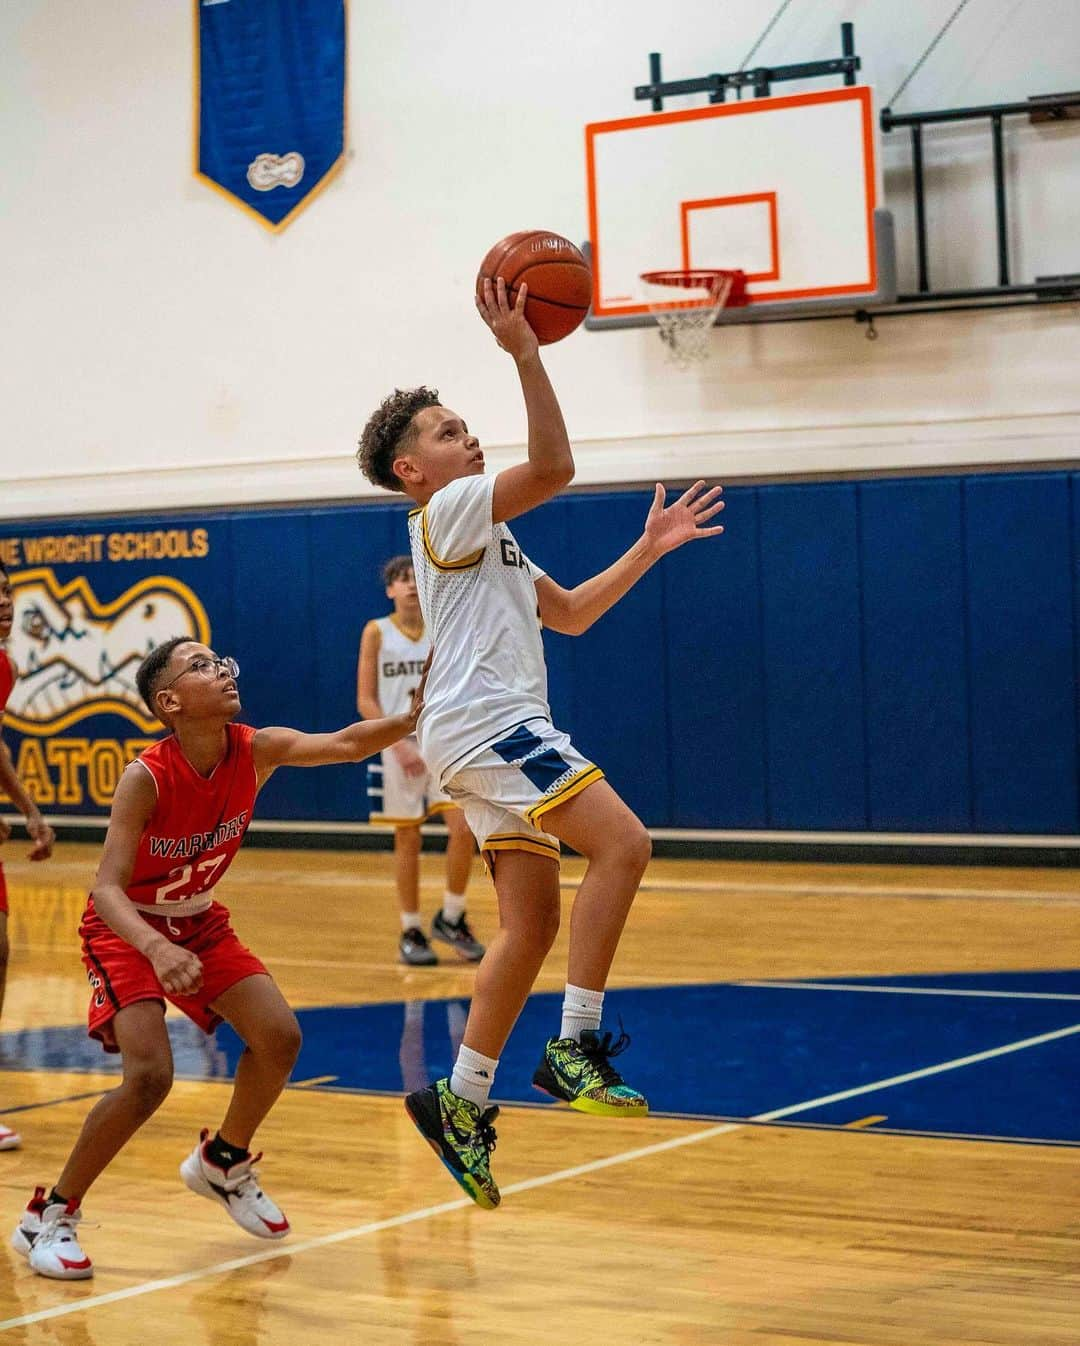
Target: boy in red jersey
(41, 834)
(152, 932)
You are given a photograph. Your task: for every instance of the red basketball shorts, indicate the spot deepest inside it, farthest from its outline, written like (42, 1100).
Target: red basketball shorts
(3, 893)
(120, 975)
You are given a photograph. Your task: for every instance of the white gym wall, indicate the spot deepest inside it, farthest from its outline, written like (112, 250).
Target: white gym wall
(164, 350)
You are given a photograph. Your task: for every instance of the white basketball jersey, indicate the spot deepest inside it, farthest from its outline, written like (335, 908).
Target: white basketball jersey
(478, 596)
(401, 662)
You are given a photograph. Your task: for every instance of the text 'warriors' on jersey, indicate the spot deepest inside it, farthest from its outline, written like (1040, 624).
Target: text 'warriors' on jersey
(478, 596)
(196, 827)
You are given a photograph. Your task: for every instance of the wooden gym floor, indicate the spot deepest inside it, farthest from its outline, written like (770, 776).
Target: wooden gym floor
(866, 1094)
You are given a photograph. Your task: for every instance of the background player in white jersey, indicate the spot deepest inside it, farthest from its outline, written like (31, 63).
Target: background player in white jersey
(393, 650)
(487, 734)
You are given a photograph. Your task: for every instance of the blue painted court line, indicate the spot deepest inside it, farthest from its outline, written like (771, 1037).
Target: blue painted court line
(716, 1051)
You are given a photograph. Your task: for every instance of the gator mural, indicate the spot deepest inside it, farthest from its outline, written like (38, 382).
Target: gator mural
(82, 625)
(286, 591)
(77, 656)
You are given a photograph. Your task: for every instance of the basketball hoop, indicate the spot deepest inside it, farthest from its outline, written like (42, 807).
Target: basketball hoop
(684, 323)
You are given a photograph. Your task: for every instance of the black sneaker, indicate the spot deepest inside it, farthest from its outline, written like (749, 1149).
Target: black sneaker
(461, 1135)
(581, 1074)
(458, 935)
(414, 949)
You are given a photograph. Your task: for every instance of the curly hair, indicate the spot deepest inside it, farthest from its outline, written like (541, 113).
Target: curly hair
(149, 672)
(386, 431)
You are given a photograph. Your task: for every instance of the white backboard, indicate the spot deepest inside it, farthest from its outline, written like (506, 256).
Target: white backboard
(782, 188)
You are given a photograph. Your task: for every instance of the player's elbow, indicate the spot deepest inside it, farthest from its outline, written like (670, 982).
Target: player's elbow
(555, 476)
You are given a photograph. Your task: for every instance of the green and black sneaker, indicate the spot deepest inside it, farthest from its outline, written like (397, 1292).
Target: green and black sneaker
(461, 1135)
(581, 1074)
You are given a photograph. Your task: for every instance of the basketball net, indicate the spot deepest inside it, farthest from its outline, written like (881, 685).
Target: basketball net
(685, 323)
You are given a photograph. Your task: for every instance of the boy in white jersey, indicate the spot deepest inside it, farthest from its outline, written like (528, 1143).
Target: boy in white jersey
(393, 650)
(487, 735)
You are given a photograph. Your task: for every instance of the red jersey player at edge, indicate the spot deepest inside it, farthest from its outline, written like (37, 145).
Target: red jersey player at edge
(152, 932)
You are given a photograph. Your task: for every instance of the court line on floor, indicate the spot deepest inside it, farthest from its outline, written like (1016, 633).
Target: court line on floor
(527, 1185)
(52, 1102)
(657, 884)
(924, 1073)
(902, 990)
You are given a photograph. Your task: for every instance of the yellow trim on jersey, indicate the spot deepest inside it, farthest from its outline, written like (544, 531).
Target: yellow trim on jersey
(392, 617)
(433, 809)
(466, 562)
(572, 787)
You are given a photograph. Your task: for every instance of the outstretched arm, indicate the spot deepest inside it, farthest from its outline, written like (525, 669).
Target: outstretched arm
(278, 746)
(41, 834)
(551, 463)
(572, 611)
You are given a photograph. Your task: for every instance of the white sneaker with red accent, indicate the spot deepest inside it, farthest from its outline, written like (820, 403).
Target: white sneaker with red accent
(9, 1140)
(29, 1227)
(55, 1251)
(237, 1189)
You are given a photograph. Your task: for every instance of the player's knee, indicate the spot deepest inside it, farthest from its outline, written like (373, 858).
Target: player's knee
(546, 926)
(280, 1041)
(148, 1083)
(638, 846)
(291, 1040)
(407, 840)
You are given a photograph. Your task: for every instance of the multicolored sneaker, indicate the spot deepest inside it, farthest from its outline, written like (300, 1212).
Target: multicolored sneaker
(53, 1246)
(458, 935)
(581, 1074)
(237, 1189)
(11, 1140)
(414, 949)
(461, 1135)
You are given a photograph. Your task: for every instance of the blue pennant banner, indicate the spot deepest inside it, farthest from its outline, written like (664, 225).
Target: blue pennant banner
(271, 100)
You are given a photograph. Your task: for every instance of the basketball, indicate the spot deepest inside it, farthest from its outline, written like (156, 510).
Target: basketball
(558, 277)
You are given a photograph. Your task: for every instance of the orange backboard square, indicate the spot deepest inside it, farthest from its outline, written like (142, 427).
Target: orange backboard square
(767, 230)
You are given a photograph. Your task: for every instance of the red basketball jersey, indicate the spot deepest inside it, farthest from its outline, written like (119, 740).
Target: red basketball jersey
(196, 827)
(7, 679)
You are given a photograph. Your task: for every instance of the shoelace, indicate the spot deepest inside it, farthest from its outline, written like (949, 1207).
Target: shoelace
(485, 1132)
(60, 1230)
(599, 1051)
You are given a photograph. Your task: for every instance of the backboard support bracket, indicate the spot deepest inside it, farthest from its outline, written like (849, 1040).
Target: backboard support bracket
(760, 79)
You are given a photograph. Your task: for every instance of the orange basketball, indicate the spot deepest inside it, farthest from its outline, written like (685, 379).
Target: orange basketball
(558, 277)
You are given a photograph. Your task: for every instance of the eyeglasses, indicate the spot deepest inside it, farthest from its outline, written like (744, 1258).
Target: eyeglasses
(206, 668)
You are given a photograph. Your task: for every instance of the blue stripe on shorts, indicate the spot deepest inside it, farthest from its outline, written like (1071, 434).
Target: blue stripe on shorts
(544, 769)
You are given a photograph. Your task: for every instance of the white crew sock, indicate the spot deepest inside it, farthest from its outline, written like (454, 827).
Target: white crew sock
(410, 920)
(453, 906)
(581, 1009)
(473, 1076)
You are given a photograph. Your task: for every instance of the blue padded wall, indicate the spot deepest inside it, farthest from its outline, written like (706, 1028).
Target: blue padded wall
(890, 655)
(813, 658)
(1022, 656)
(912, 565)
(715, 674)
